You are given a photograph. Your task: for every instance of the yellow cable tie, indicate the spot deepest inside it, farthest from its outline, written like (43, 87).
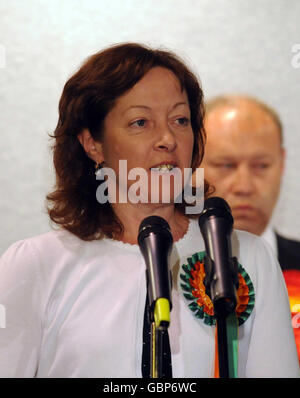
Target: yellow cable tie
(162, 312)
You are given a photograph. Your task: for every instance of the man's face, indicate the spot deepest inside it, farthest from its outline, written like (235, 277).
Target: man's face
(244, 162)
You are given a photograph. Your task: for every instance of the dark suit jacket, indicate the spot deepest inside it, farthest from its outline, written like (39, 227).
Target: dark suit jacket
(288, 253)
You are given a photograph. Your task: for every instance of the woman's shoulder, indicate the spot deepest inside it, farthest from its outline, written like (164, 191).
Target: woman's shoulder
(256, 256)
(53, 247)
(246, 244)
(46, 243)
(243, 243)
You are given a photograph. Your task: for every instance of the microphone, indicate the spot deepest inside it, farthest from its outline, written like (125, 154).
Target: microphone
(155, 241)
(221, 269)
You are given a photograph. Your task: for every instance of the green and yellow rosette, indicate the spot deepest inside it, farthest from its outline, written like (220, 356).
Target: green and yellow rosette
(192, 277)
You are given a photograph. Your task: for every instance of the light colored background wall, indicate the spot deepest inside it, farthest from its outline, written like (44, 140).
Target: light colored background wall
(233, 45)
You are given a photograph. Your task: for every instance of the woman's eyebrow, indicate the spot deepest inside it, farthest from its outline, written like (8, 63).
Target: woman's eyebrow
(148, 108)
(136, 106)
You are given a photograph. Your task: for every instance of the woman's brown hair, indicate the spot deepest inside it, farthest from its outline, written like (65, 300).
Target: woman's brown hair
(87, 98)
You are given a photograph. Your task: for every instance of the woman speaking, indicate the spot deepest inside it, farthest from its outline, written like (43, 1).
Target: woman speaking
(75, 297)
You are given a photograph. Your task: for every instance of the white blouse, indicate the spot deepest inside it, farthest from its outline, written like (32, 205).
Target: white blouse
(76, 308)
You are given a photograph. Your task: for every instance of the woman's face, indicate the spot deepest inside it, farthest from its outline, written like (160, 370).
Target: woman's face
(149, 126)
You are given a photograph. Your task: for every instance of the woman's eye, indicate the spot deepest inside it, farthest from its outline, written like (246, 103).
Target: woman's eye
(139, 123)
(182, 121)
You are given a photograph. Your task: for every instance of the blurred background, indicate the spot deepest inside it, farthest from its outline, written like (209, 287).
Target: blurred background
(233, 46)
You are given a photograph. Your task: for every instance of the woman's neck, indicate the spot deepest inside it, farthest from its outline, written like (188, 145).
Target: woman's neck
(131, 216)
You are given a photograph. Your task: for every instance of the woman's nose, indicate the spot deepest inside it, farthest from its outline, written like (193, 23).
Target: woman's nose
(165, 138)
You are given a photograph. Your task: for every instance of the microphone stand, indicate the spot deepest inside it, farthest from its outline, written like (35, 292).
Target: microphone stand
(160, 320)
(156, 353)
(155, 241)
(224, 307)
(221, 277)
(222, 343)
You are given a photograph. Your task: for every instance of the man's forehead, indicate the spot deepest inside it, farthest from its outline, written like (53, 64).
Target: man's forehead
(240, 122)
(240, 149)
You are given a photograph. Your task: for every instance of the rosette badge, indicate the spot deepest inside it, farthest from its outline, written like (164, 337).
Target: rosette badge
(199, 302)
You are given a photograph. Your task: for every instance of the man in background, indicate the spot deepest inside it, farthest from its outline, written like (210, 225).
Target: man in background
(244, 162)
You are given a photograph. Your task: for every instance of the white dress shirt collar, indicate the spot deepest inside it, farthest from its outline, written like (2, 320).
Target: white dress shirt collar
(269, 236)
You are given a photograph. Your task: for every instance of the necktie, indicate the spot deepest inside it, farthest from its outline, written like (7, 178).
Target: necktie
(146, 355)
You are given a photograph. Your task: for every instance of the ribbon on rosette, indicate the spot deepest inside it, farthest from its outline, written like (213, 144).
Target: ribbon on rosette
(199, 302)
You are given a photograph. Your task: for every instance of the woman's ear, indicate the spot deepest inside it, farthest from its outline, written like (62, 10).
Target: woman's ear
(92, 148)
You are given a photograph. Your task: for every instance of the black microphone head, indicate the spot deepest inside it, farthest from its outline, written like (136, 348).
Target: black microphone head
(216, 207)
(216, 202)
(155, 241)
(216, 223)
(154, 224)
